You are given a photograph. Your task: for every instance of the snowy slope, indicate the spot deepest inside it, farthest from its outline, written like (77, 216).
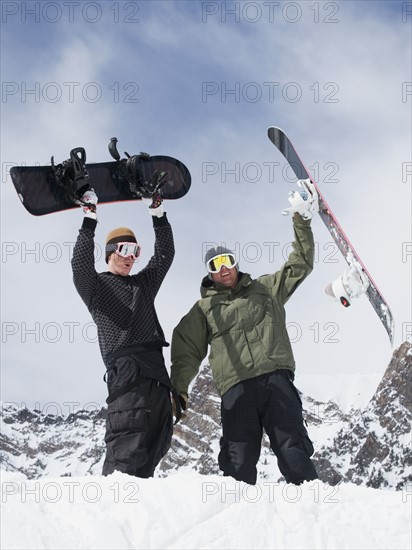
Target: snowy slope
(53, 496)
(194, 511)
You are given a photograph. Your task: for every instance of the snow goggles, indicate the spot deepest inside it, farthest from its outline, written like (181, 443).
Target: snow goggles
(125, 250)
(215, 264)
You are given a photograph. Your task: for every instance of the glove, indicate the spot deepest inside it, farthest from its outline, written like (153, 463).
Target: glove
(305, 201)
(155, 204)
(89, 209)
(183, 402)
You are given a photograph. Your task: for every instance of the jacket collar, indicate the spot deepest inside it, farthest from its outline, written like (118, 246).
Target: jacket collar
(210, 288)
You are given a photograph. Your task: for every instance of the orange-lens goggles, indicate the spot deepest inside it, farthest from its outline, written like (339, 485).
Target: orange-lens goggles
(215, 264)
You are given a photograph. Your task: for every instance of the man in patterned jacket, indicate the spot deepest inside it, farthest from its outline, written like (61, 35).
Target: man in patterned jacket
(139, 419)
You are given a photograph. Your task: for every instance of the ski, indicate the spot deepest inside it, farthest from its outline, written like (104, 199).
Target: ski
(357, 274)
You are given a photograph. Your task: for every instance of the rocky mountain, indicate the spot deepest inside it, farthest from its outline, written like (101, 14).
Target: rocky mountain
(369, 447)
(374, 446)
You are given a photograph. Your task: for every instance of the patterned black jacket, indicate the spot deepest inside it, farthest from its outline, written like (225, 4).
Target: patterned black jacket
(123, 307)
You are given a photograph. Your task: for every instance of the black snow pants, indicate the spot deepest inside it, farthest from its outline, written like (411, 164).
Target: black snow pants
(139, 421)
(270, 402)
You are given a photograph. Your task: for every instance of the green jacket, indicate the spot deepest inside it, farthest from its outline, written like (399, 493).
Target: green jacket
(245, 327)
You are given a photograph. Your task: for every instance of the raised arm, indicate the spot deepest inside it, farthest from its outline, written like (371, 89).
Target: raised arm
(164, 251)
(299, 264)
(84, 272)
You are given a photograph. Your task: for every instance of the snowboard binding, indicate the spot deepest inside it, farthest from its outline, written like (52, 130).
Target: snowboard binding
(71, 176)
(133, 171)
(352, 284)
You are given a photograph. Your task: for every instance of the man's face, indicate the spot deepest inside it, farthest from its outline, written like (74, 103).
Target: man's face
(227, 276)
(118, 265)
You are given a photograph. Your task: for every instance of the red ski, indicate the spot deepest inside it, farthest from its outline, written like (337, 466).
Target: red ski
(356, 279)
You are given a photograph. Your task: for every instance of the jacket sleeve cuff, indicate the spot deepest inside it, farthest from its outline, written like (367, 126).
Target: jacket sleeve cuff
(160, 222)
(89, 223)
(298, 220)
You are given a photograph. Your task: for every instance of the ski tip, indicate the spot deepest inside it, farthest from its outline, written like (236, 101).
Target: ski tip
(275, 134)
(275, 129)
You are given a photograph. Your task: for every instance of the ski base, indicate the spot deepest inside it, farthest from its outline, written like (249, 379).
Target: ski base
(379, 304)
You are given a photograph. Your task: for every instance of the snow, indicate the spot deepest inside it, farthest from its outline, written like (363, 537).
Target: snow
(187, 510)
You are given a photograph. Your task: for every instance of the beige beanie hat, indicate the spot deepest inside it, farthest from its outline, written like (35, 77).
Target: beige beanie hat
(118, 235)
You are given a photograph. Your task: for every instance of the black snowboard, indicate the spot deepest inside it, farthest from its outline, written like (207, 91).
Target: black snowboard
(41, 193)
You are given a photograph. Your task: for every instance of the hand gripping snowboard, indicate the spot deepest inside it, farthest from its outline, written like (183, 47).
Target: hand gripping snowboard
(47, 189)
(356, 280)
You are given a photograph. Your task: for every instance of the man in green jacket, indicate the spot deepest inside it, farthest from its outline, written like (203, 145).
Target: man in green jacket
(243, 321)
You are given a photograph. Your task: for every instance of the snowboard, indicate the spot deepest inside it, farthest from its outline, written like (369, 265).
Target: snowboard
(379, 304)
(47, 189)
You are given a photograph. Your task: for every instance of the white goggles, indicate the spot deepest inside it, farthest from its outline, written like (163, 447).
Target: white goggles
(126, 250)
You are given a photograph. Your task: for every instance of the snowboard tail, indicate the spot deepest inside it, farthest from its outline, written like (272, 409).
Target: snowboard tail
(379, 304)
(42, 190)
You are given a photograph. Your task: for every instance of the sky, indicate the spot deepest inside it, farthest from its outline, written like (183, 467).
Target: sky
(202, 82)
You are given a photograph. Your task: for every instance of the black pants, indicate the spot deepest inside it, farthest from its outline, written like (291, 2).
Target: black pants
(270, 402)
(139, 421)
